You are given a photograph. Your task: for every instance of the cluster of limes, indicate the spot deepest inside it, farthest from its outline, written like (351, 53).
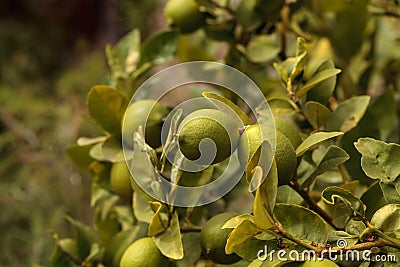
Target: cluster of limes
(227, 135)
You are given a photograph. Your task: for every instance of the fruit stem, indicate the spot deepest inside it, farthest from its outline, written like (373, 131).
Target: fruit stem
(311, 203)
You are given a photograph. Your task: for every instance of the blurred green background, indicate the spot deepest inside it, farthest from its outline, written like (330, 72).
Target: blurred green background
(51, 53)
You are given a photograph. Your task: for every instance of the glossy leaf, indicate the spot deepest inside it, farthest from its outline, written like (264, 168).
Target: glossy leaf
(106, 106)
(333, 157)
(378, 158)
(311, 228)
(313, 140)
(170, 241)
(235, 221)
(317, 114)
(347, 115)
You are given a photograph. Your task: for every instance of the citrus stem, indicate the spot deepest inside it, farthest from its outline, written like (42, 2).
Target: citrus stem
(311, 203)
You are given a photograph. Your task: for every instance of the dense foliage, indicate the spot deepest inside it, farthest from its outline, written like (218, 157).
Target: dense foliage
(329, 67)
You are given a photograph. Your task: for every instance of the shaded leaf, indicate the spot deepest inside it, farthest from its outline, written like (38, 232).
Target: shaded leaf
(170, 241)
(159, 49)
(141, 209)
(85, 237)
(333, 157)
(106, 106)
(391, 191)
(191, 249)
(347, 115)
(80, 156)
(378, 159)
(374, 199)
(313, 140)
(317, 114)
(324, 90)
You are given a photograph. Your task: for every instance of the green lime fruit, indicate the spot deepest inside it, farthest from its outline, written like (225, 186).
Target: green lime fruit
(120, 181)
(144, 112)
(184, 14)
(143, 252)
(208, 125)
(213, 239)
(289, 129)
(285, 155)
(220, 32)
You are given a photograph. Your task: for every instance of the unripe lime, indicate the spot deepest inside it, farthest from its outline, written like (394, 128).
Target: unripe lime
(120, 181)
(184, 14)
(285, 155)
(143, 252)
(143, 113)
(211, 124)
(123, 184)
(213, 239)
(289, 129)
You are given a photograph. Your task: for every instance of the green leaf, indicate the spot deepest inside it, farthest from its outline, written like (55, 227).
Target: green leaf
(128, 49)
(316, 80)
(265, 199)
(387, 219)
(324, 90)
(85, 237)
(247, 15)
(107, 107)
(333, 157)
(227, 106)
(159, 49)
(241, 233)
(287, 195)
(302, 223)
(262, 48)
(313, 140)
(248, 249)
(316, 114)
(379, 159)
(157, 224)
(333, 193)
(191, 249)
(85, 141)
(347, 115)
(170, 241)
